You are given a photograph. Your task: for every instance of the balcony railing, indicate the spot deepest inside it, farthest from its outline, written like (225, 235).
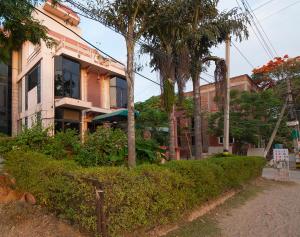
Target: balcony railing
(92, 54)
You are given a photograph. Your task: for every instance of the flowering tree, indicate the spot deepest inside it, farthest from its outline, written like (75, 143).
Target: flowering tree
(276, 70)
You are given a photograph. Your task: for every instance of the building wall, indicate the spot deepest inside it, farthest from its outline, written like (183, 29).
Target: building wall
(208, 105)
(95, 75)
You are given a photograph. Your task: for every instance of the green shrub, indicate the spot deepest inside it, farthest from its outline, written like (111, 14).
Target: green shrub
(147, 151)
(64, 144)
(106, 146)
(135, 199)
(6, 144)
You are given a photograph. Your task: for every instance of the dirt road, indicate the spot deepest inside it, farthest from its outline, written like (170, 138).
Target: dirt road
(273, 212)
(267, 208)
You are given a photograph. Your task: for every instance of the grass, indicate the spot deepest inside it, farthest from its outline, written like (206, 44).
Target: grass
(207, 226)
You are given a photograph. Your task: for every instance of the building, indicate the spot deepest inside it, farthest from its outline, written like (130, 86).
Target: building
(64, 86)
(184, 125)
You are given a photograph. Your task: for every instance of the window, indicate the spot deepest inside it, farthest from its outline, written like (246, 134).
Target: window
(26, 122)
(231, 140)
(118, 92)
(67, 119)
(20, 59)
(67, 78)
(39, 118)
(5, 98)
(20, 96)
(32, 80)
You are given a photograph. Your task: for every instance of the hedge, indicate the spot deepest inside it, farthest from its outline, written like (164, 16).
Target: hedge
(135, 199)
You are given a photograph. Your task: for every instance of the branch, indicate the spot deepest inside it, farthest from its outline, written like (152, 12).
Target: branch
(211, 58)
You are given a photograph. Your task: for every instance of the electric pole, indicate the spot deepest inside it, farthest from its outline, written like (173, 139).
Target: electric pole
(227, 98)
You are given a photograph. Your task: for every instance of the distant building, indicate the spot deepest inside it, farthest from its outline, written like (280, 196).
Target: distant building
(184, 126)
(65, 86)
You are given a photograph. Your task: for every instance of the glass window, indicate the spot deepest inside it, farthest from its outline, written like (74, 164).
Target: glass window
(20, 60)
(67, 119)
(20, 96)
(33, 79)
(5, 98)
(67, 78)
(118, 92)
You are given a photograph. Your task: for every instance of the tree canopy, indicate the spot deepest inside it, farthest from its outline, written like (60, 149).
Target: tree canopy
(253, 116)
(17, 26)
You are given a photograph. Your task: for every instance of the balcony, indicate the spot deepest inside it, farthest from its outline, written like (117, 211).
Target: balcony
(71, 103)
(88, 56)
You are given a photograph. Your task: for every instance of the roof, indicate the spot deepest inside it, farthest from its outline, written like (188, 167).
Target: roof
(119, 115)
(65, 8)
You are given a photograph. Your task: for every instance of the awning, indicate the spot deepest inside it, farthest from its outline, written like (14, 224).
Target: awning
(119, 115)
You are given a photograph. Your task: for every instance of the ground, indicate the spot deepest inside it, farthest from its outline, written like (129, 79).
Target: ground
(266, 208)
(23, 220)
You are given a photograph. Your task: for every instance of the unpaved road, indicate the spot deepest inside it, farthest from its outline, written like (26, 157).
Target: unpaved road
(273, 212)
(265, 208)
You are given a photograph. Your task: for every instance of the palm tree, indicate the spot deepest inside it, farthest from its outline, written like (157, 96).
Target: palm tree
(130, 18)
(169, 56)
(207, 27)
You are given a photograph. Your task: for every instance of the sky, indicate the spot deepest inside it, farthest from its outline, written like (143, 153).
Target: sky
(278, 18)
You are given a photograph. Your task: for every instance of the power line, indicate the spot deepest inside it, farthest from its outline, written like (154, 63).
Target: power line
(268, 39)
(89, 43)
(241, 53)
(280, 10)
(100, 20)
(262, 5)
(265, 48)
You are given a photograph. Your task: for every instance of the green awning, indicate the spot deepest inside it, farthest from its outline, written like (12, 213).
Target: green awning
(119, 115)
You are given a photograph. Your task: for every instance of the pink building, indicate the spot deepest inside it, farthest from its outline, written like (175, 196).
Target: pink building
(184, 125)
(65, 86)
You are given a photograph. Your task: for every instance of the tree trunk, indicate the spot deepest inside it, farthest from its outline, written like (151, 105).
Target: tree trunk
(130, 96)
(197, 115)
(172, 152)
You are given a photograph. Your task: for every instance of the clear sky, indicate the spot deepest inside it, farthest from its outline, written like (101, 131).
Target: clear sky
(279, 19)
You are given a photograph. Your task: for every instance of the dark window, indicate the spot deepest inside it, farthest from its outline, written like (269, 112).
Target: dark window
(221, 140)
(39, 118)
(67, 119)
(67, 78)
(118, 92)
(26, 122)
(33, 79)
(5, 98)
(121, 93)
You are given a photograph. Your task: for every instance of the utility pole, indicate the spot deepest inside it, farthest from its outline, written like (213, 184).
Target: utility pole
(227, 98)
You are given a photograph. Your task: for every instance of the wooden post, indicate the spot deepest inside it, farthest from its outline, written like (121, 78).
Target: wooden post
(227, 98)
(101, 221)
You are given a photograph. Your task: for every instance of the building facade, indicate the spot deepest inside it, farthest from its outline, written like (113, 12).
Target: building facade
(64, 86)
(184, 125)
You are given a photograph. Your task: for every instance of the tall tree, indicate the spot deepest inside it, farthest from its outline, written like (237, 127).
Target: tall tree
(253, 116)
(207, 27)
(17, 26)
(169, 57)
(128, 17)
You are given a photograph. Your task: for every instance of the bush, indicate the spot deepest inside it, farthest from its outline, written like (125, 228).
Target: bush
(63, 145)
(34, 138)
(135, 199)
(147, 151)
(104, 147)
(6, 144)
